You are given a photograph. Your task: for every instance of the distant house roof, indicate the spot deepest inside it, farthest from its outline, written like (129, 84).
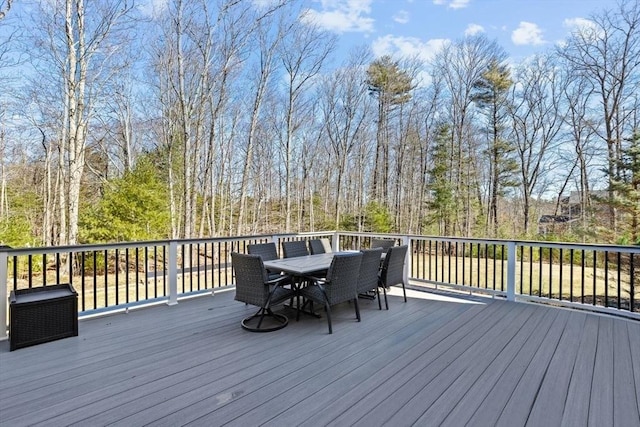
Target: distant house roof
(552, 219)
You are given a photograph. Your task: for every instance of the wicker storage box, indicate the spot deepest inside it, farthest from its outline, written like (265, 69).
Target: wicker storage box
(43, 314)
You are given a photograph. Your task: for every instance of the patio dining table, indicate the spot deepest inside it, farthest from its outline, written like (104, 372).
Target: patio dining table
(301, 268)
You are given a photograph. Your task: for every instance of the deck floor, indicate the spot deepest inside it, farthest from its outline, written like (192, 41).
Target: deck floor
(431, 361)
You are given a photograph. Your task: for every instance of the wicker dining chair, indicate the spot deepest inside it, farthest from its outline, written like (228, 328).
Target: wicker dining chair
(316, 247)
(268, 252)
(254, 287)
(385, 244)
(295, 248)
(340, 285)
(392, 271)
(368, 277)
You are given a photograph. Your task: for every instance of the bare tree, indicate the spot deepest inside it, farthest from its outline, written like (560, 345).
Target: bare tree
(303, 53)
(264, 68)
(607, 52)
(537, 118)
(77, 47)
(581, 126)
(345, 112)
(5, 7)
(461, 65)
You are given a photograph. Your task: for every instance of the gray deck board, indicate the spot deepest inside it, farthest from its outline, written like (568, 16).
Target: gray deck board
(624, 390)
(439, 372)
(551, 399)
(426, 362)
(634, 345)
(576, 410)
(346, 409)
(495, 384)
(456, 378)
(601, 404)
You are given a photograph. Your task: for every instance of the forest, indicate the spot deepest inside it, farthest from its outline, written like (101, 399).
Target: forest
(233, 117)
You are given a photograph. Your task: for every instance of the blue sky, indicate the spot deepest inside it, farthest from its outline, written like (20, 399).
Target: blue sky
(419, 27)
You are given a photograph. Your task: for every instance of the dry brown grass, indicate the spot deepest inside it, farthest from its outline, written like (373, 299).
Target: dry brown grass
(570, 281)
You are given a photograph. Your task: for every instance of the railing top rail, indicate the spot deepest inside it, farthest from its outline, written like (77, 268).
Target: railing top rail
(149, 243)
(424, 237)
(118, 245)
(81, 248)
(535, 243)
(586, 246)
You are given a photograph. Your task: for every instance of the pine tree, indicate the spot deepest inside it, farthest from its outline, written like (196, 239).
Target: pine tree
(627, 188)
(442, 201)
(491, 97)
(392, 87)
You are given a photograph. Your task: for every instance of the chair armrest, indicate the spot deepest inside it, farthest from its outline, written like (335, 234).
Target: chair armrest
(318, 279)
(282, 280)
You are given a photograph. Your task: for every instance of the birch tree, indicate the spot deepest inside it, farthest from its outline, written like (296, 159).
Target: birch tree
(303, 54)
(345, 112)
(77, 47)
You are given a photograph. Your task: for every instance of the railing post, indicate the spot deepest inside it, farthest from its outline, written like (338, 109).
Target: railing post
(3, 294)
(407, 261)
(276, 240)
(511, 271)
(335, 242)
(173, 273)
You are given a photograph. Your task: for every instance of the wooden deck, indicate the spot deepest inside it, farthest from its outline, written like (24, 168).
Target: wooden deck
(426, 362)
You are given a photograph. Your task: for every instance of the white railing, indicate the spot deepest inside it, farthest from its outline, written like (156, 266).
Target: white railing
(123, 275)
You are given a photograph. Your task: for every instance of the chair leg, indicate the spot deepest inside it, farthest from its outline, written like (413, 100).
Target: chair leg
(386, 303)
(327, 308)
(404, 292)
(262, 312)
(280, 321)
(357, 308)
(378, 297)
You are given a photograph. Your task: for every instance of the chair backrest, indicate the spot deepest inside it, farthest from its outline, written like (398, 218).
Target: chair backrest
(267, 251)
(385, 244)
(251, 277)
(295, 248)
(319, 246)
(392, 272)
(369, 269)
(342, 277)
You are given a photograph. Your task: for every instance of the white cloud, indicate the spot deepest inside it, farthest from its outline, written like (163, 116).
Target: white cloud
(342, 15)
(153, 8)
(577, 23)
(264, 4)
(473, 29)
(402, 17)
(527, 33)
(587, 29)
(406, 47)
(453, 4)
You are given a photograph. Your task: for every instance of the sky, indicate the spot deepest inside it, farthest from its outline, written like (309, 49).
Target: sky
(420, 27)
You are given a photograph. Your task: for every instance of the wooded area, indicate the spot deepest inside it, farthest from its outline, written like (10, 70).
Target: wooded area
(214, 118)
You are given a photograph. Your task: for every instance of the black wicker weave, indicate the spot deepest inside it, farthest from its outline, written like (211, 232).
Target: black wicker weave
(319, 246)
(385, 244)
(339, 286)
(392, 272)
(368, 279)
(254, 287)
(42, 314)
(268, 252)
(295, 248)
